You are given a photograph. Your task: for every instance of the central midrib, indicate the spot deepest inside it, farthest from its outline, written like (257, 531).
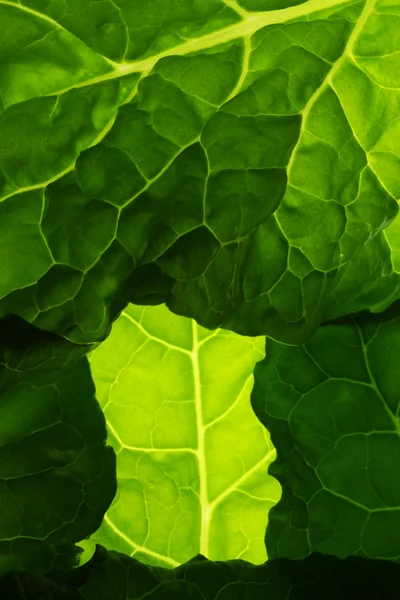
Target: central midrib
(246, 27)
(205, 509)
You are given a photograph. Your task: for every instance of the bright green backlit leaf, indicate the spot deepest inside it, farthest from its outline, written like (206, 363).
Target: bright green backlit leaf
(332, 406)
(192, 457)
(237, 161)
(230, 158)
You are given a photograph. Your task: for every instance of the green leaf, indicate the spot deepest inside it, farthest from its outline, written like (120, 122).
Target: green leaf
(114, 575)
(371, 280)
(191, 456)
(227, 162)
(332, 407)
(57, 477)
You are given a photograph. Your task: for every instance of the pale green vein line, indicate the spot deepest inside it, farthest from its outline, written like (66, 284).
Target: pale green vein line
(245, 68)
(353, 502)
(372, 78)
(100, 136)
(38, 186)
(156, 339)
(205, 512)
(246, 27)
(257, 498)
(109, 76)
(115, 434)
(45, 17)
(125, 25)
(394, 419)
(212, 335)
(32, 12)
(222, 416)
(367, 57)
(368, 8)
(165, 168)
(314, 361)
(235, 6)
(163, 450)
(234, 487)
(117, 377)
(137, 547)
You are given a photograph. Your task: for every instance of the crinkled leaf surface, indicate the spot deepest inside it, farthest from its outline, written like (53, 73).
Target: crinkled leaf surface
(376, 269)
(57, 477)
(332, 407)
(192, 457)
(227, 157)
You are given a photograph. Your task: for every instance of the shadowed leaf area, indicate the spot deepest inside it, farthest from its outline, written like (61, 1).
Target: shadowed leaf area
(57, 476)
(110, 575)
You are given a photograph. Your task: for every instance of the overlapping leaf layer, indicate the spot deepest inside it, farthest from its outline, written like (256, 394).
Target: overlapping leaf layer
(57, 477)
(226, 161)
(332, 406)
(239, 161)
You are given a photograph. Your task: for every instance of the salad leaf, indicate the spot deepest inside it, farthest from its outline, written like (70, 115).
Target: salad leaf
(230, 162)
(376, 268)
(332, 408)
(238, 161)
(112, 575)
(192, 457)
(57, 477)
